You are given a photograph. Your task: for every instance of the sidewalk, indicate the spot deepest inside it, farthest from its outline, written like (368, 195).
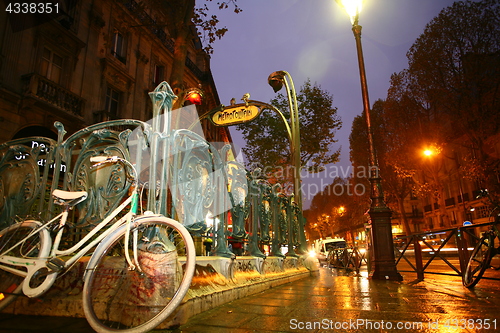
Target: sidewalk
(331, 301)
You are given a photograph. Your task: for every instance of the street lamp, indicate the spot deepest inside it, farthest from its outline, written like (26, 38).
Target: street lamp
(276, 80)
(383, 264)
(432, 150)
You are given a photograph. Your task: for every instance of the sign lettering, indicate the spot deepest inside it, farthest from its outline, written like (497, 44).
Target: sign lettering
(235, 115)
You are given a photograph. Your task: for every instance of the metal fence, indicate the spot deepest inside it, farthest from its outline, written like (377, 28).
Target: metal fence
(183, 176)
(449, 248)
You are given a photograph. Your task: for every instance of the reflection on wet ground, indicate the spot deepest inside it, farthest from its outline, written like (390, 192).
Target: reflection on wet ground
(332, 300)
(336, 300)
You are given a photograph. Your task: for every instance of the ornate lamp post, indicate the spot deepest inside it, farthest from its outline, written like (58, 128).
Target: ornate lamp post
(383, 264)
(276, 80)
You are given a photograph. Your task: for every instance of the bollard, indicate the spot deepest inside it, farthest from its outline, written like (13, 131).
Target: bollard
(418, 258)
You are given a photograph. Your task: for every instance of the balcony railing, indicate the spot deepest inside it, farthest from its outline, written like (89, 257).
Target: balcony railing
(41, 88)
(148, 22)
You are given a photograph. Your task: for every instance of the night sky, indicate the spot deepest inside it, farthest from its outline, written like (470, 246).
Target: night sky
(313, 39)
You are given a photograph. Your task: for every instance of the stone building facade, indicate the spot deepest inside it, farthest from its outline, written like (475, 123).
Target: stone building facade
(92, 61)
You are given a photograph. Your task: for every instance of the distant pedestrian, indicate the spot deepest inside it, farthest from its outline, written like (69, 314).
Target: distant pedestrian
(208, 245)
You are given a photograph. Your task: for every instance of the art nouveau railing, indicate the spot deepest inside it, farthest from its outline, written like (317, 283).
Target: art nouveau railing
(183, 176)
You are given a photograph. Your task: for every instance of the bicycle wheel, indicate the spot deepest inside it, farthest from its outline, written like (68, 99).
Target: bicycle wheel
(479, 260)
(37, 246)
(118, 298)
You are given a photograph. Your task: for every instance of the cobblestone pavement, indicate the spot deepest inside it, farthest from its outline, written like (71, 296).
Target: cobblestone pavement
(331, 301)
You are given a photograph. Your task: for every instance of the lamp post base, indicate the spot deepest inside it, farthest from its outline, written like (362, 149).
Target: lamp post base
(383, 264)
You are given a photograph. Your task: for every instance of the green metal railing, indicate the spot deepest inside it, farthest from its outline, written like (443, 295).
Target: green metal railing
(183, 176)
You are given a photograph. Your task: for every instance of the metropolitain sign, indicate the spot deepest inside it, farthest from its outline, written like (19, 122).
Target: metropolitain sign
(235, 114)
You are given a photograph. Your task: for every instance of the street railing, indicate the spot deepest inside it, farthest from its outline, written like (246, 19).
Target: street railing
(422, 250)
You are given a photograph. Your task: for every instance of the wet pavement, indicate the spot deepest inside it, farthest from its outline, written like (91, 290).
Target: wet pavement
(332, 301)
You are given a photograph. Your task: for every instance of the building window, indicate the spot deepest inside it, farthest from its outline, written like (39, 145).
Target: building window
(414, 211)
(454, 219)
(112, 103)
(52, 65)
(430, 223)
(118, 46)
(482, 212)
(159, 75)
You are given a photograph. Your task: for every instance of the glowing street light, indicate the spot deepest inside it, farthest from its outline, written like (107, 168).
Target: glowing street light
(383, 264)
(432, 150)
(353, 8)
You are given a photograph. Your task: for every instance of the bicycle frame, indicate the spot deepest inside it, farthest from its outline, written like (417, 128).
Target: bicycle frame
(33, 265)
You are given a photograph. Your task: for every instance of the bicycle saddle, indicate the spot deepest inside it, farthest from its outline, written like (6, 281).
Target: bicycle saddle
(68, 197)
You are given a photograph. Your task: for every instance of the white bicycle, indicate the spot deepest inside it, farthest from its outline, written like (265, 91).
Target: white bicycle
(136, 277)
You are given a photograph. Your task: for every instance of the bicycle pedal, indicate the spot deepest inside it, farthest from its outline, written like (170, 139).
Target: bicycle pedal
(56, 264)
